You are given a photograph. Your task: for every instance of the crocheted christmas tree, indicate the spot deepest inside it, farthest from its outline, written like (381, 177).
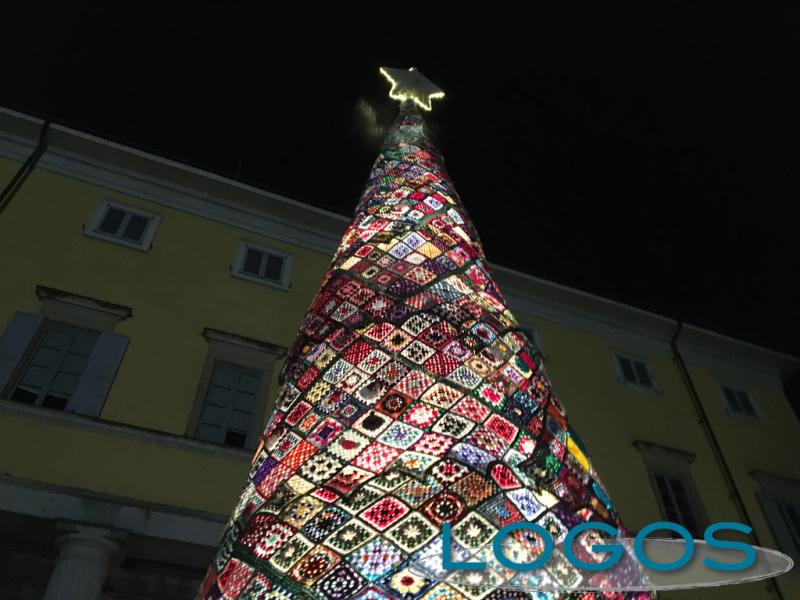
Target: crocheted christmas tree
(410, 399)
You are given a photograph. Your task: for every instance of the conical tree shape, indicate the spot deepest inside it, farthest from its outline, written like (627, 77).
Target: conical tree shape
(411, 398)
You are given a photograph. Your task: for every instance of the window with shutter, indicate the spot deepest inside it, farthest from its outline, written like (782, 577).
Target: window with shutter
(15, 340)
(65, 358)
(58, 359)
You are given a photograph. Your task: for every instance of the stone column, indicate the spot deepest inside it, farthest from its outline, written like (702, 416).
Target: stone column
(82, 564)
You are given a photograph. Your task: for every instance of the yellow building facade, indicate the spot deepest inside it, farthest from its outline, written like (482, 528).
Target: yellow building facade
(146, 307)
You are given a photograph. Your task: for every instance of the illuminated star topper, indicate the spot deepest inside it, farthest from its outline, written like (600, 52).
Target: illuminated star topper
(411, 85)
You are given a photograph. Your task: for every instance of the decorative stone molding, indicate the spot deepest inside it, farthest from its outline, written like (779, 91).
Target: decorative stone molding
(79, 310)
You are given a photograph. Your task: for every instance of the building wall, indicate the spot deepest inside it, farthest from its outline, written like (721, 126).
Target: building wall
(610, 416)
(138, 450)
(181, 285)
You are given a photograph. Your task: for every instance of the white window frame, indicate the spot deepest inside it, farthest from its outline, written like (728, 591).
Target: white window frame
(236, 268)
(741, 415)
(621, 375)
(92, 229)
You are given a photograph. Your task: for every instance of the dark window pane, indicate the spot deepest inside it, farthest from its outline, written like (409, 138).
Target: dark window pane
(787, 525)
(64, 384)
(213, 415)
(249, 382)
(683, 505)
(234, 438)
(59, 337)
(36, 377)
(134, 230)
(112, 221)
(664, 492)
(83, 343)
(208, 433)
(25, 395)
(74, 364)
(686, 516)
(794, 518)
(691, 524)
(747, 406)
(225, 375)
(677, 486)
(56, 402)
(672, 515)
(733, 401)
(627, 370)
(644, 376)
(274, 267)
(252, 262)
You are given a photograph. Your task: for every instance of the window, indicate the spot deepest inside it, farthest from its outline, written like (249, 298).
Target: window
(674, 499)
(230, 404)
(231, 401)
(51, 374)
(780, 499)
(790, 523)
(634, 371)
(123, 225)
(66, 357)
(669, 470)
(738, 402)
(263, 265)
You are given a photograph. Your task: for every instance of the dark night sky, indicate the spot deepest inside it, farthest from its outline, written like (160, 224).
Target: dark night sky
(649, 156)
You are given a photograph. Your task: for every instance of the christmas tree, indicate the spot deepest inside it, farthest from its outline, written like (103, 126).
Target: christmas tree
(410, 399)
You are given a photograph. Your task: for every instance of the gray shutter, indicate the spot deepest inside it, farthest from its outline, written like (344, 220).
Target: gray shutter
(99, 374)
(16, 339)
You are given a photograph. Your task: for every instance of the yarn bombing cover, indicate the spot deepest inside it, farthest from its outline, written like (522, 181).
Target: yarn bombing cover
(410, 398)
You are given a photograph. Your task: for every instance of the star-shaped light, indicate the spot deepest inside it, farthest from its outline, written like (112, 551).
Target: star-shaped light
(411, 85)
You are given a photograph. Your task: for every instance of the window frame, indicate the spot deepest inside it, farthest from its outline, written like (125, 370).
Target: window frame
(92, 228)
(673, 463)
(241, 254)
(756, 416)
(773, 492)
(618, 357)
(248, 354)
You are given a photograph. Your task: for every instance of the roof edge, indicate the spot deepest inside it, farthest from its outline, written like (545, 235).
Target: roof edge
(20, 125)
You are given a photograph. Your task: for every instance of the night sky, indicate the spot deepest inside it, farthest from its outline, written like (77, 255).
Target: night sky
(648, 156)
